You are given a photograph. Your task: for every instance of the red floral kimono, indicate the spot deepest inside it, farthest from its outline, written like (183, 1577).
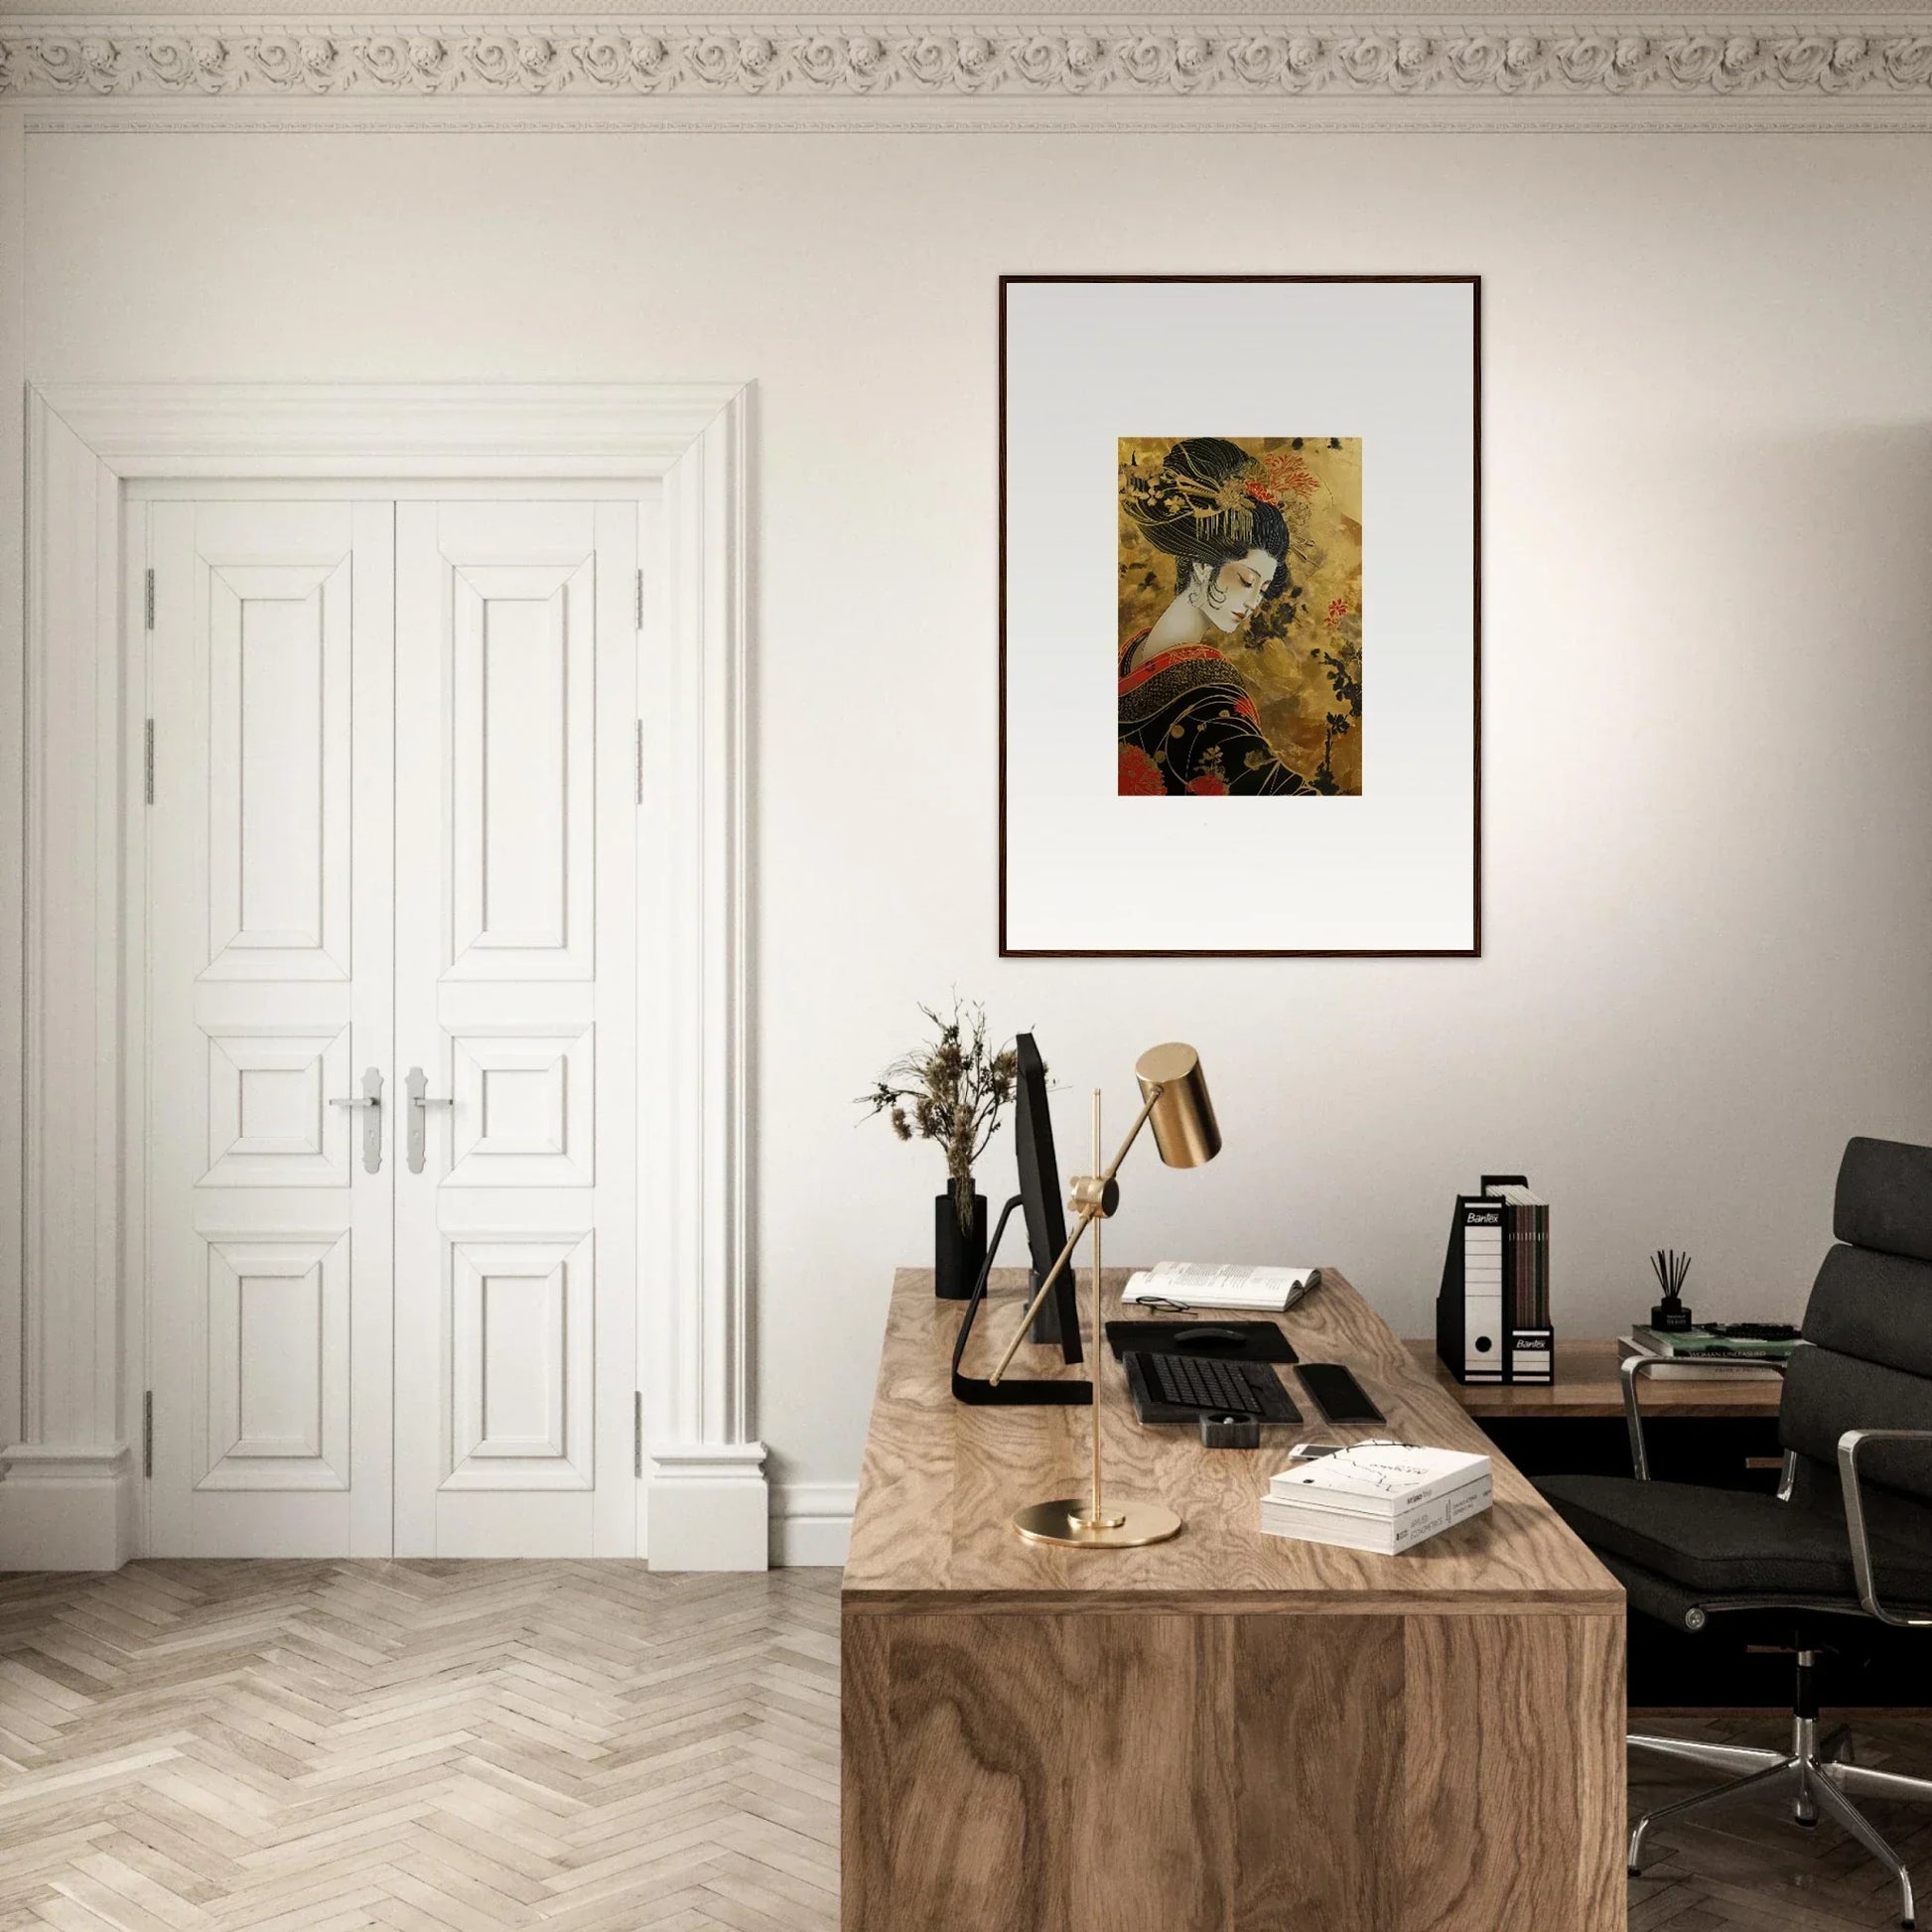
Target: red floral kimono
(1188, 727)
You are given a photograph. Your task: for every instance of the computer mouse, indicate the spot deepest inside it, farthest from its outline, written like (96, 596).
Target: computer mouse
(1208, 1336)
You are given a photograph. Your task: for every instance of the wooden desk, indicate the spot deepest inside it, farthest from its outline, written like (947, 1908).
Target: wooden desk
(1587, 1386)
(1228, 1732)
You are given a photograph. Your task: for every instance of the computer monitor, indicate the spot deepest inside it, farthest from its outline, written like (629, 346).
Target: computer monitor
(1038, 1200)
(1039, 1195)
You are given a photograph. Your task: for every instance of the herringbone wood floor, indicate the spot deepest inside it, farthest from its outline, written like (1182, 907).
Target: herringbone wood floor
(432, 1746)
(464, 1747)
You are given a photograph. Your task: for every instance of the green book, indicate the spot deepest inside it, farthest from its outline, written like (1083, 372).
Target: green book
(1700, 1341)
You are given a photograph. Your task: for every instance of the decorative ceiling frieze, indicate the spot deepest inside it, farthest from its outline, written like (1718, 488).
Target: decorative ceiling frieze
(1240, 63)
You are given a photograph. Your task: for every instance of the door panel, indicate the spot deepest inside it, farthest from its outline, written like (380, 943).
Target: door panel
(269, 992)
(522, 1396)
(516, 988)
(277, 1386)
(524, 1107)
(278, 748)
(522, 695)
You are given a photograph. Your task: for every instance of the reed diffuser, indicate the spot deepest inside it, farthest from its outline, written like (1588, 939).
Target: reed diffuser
(1670, 1315)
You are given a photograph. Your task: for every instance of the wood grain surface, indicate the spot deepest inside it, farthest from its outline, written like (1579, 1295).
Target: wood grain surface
(941, 1480)
(1514, 1784)
(1321, 1720)
(1137, 1772)
(1587, 1385)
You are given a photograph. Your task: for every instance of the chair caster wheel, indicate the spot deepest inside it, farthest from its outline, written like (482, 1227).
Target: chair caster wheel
(1810, 1824)
(1633, 1872)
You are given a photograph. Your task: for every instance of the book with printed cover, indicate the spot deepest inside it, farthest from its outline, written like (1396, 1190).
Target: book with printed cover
(1380, 1496)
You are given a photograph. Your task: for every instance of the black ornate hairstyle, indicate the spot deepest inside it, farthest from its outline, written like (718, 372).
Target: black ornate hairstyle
(1208, 503)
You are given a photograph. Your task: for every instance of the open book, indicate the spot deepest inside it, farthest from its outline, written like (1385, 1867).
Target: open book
(1215, 1285)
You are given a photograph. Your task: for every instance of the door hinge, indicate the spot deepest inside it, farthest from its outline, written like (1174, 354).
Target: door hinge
(641, 599)
(640, 760)
(147, 764)
(147, 1434)
(637, 1433)
(149, 598)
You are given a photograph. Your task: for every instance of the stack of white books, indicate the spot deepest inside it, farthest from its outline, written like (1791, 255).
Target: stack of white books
(1380, 1496)
(1219, 1285)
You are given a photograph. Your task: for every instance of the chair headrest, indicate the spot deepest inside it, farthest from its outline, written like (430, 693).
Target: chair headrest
(1884, 1197)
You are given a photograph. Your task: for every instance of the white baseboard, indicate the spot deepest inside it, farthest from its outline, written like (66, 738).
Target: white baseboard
(74, 1510)
(63, 1509)
(811, 1524)
(709, 1507)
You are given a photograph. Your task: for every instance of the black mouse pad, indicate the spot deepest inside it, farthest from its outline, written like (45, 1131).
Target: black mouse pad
(1221, 1341)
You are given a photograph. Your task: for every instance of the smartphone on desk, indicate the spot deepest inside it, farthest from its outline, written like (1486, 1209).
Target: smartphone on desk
(1336, 1393)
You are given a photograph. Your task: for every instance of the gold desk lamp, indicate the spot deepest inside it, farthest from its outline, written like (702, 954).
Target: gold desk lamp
(1174, 1101)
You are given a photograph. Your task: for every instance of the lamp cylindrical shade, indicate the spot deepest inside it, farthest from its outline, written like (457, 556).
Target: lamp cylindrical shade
(1184, 1128)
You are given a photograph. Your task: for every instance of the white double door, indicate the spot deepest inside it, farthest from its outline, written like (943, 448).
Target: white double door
(390, 1011)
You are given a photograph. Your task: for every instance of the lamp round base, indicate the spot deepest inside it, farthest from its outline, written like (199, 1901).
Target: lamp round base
(1063, 1521)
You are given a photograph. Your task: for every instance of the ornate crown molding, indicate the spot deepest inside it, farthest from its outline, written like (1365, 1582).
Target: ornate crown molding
(1230, 64)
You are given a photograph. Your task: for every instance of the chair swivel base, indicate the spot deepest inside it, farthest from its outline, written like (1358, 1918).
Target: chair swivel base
(1818, 1774)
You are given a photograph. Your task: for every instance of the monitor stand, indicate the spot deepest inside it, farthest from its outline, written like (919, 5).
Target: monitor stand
(1010, 1391)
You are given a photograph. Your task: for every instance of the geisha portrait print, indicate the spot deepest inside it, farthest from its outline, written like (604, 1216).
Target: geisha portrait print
(1239, 616)
(1240, 666)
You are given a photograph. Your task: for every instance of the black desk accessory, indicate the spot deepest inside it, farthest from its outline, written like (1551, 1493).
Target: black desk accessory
(1183, 1388)
(1230, 1431)
(1336, 1393)
(1669, 1316)
(1227, 1341)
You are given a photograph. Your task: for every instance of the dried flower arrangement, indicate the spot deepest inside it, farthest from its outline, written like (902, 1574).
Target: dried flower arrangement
(952, 1091)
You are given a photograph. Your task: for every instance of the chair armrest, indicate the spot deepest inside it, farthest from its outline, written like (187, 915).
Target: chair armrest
(1849, 1445)
(1633, 1368)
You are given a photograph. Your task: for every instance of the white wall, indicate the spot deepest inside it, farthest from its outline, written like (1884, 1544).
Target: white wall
(1708, 649)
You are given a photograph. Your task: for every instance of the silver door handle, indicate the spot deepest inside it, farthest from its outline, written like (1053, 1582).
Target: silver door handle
(421, 1100)
(370, 1098)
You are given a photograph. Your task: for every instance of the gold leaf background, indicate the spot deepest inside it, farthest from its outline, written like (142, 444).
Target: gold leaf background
(1292, 686)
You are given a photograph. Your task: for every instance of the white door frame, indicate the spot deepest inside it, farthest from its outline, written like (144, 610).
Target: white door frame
(69, 1495)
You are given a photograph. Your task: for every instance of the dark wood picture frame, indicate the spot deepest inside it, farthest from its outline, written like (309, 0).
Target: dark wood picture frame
(1475, 949)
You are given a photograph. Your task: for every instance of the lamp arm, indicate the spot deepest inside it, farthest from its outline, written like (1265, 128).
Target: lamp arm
(1133, 1135)
(1088, 1215)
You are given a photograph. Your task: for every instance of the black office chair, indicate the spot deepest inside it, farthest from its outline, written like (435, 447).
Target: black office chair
(1847, 1540)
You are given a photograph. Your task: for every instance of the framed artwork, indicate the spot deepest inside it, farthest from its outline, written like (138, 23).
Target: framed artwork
(1240, 614)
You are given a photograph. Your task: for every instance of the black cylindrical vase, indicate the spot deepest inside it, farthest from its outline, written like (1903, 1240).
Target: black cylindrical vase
(958, 1253)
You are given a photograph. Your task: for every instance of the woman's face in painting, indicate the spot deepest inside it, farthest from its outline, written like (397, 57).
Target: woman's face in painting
(1232, 595)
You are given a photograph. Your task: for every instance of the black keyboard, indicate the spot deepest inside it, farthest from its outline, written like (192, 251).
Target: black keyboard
(1204, 1386)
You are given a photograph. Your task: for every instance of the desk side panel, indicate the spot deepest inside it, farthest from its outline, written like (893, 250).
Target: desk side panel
(1317, 1745)
(1514, 1771)
(1158, 1773)
(1152, 1784)
(864, 1770)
